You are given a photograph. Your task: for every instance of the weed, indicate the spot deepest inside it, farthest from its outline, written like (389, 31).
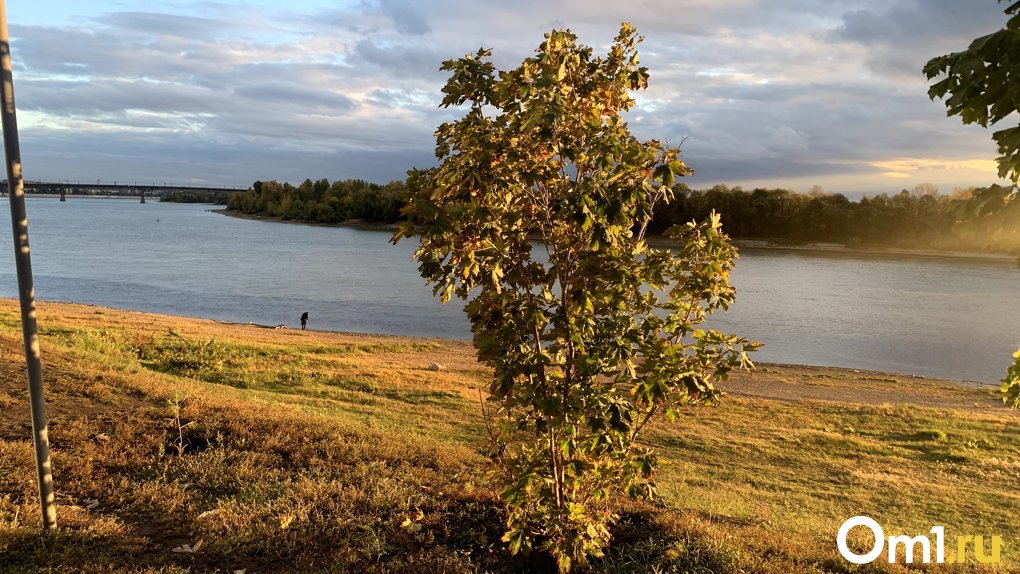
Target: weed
(176, 405)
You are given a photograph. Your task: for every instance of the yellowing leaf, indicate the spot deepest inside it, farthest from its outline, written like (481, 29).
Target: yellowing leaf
(412, 527)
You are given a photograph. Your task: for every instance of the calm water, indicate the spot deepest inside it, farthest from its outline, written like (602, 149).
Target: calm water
(958, 319)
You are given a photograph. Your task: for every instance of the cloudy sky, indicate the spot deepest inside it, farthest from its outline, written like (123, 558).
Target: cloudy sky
(789, 93)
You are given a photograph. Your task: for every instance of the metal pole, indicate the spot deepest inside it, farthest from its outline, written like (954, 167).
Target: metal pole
(26, 291)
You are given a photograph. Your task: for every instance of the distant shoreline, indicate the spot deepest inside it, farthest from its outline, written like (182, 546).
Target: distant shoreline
(148, 198)
(352, 223)
(890, 251)
(659, 241)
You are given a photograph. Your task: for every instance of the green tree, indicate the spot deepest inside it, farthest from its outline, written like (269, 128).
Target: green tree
(983, 85)
(536, 215)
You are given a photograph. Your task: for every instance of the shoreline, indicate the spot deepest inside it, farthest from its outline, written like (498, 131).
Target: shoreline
(894, 252)
(769, 380)
(660, 242)
(352, 223)
(762, 366)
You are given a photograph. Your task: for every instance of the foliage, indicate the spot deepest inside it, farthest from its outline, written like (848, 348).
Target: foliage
(192, 196)
(917, 218)
(991, 216)
(537, 216)
(1011, 383)
(323, 202)
(180, 356)
(981, 85)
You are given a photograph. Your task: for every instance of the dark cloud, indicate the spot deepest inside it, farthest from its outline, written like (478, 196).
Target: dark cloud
(407, 18)
(200, 161)
(288, 93)
(925, 21)
(82, 97)
(903, 35)
(402, 60)
(167, 24)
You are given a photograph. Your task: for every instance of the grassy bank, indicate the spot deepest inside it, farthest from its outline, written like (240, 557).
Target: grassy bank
(283, 450)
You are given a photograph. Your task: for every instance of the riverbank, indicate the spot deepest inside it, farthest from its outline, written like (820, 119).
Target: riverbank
(659, 241)
(196, 445)
(352, 223)
(895, 252)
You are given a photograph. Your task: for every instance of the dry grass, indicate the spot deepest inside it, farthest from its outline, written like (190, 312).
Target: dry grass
(318, 452)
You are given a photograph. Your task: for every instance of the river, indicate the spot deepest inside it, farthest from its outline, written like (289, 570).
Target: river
(953, 318)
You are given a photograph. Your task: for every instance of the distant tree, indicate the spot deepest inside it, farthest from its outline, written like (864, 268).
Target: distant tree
(323, 202)
(537, 216)
(191, 196)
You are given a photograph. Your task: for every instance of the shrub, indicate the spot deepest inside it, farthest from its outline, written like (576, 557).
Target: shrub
(537, 216)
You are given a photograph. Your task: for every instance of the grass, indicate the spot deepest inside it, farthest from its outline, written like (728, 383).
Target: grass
(290, 451)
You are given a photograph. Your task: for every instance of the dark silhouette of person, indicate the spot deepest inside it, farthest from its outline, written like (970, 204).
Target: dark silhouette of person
(304, 320)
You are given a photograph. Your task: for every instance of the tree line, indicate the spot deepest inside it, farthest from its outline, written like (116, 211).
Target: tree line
(916, 218)
(194, 196)
(324, 202)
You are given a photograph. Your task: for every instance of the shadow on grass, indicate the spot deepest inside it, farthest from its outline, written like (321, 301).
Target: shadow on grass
(466, 540)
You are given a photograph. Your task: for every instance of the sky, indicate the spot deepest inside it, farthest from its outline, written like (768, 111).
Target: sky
(780, 93)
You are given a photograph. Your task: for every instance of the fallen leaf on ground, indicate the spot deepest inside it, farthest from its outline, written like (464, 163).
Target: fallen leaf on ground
(412, 527)
(185, 549)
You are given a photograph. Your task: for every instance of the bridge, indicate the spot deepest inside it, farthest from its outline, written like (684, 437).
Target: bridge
(115, 189)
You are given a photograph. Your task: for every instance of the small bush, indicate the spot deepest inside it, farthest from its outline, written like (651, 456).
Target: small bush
(1011, 383)
(930, 435)
(179, 356)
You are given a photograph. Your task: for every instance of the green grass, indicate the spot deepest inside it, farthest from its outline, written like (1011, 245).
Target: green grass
(317, 452)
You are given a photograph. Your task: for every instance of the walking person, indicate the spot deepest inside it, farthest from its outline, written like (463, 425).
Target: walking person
(304, 320)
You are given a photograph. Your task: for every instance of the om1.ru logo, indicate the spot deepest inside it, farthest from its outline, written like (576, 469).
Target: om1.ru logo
(911, 544)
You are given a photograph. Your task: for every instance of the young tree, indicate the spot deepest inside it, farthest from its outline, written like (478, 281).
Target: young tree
(536, 215)
(1011, 383)
(981, 83)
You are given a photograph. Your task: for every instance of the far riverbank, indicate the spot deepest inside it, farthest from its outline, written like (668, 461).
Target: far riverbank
(660, 241)
(351, 223)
